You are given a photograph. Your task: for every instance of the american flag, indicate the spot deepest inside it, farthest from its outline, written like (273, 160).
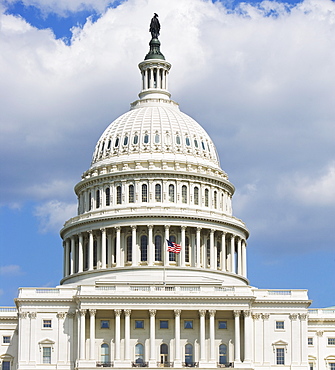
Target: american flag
(173, 247)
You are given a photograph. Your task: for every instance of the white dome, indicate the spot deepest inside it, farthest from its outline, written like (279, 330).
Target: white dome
(155, 129)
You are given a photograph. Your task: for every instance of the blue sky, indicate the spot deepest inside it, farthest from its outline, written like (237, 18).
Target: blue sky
(262, 87)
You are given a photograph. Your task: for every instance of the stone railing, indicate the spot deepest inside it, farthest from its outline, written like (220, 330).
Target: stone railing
(105, 364)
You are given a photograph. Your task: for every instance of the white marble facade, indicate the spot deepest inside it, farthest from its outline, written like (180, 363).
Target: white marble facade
(124, 301)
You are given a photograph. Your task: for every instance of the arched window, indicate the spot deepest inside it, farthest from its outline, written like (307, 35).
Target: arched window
(206, 197)
(125, 140)
(116, 144)
(104, 353)
(108, 197)
(146, 139)
(139, 353)
(196, 196)
(215, 199)
(196, 143)
(89, 201)
(222, 354)
(144, 248)
(118, 195)
(184, 194)
(129, 248)
(135, 141)
(158, 248)
(203, 145)
(97, 199)
(187, 249)
(187, 141)
(95, 253)
(208, 252)
(171, 193)
(178, 140)
(144, 193)
(157, 139)
(131, 194)
(158, 193)
(172, 256)
(109, 144)
(164, 352)
(188, 354)
(86, 257)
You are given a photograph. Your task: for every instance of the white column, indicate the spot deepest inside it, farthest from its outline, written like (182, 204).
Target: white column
(237, 336)
(177, 357)
(151, 85)
(232, 254)
(202, 314)
(151, 249)
(82, 344)
(166, 253)
(90, 250)
(32, 349)
(70, 341)
(244, 258)
(266, 339)
(182, 257)
(61, 353)
(110, 257)
(135, 257)
(303, 334)
(295, 339)
(166, 80)
(152, 359)
(81, 253)
(239, 256)
(258, 338)
(212, 335)
(223, 252)
(72, 248)
(118, 246)
(92, 333)
(127, 334)
(145, 84)
(198, 262)
(211, 249)
(66, 259)
(117, 334)
(103, 248)
(247, 336)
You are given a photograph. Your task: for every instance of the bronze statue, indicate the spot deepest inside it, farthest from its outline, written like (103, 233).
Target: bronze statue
(155, 26)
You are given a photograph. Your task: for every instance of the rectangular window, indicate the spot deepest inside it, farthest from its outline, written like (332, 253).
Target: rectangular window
(6, 339)
(222, 324)
(46, 323)
(331, 341)
(188, 324)
(280, 356)
(5, 365)
(104, 324)
(311, 366)
(46, 355)
(332, 366)
(139, 324)
(279, 324)
(164, 324)
(310, 341)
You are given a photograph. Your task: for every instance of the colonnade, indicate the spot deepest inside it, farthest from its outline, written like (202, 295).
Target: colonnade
(146, 245)
(207, 318)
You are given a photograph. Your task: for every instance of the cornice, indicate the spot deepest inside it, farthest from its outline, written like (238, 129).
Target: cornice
(161, 297)
(280, 301)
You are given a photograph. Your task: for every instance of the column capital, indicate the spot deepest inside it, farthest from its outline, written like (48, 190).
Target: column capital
(256, 316)
(102, 229)
(82, 312)
(212, 313)
(92, 312)
(319, 333)
(23, 315)
(32, 315)
(167, 227)
(127, 312)
(303, 316)
(150, 227)
(90, 232)
(152, 313)
(265, 316)
(212, 231)
(118, 228)
(246, 313)
(70, 315)
(202, 313)
(61, 315)
(134, 227)
(183, 227)
(237, 313)
(199, 229)
(177, 312)
(293, 316)
(117, 312)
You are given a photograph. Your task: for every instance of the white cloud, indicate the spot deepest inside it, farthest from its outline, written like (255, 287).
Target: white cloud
(262, 86)
(53, 214)
(10, 270)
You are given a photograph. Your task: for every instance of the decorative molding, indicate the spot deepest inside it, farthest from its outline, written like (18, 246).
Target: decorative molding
(256, 316)
(32, 315)
(246, 313)
(265, 316)
(303, 316)
(319, 333)
(61, 315)
(82, 312)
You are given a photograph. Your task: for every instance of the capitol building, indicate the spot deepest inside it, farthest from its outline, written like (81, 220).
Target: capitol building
(125, 300)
